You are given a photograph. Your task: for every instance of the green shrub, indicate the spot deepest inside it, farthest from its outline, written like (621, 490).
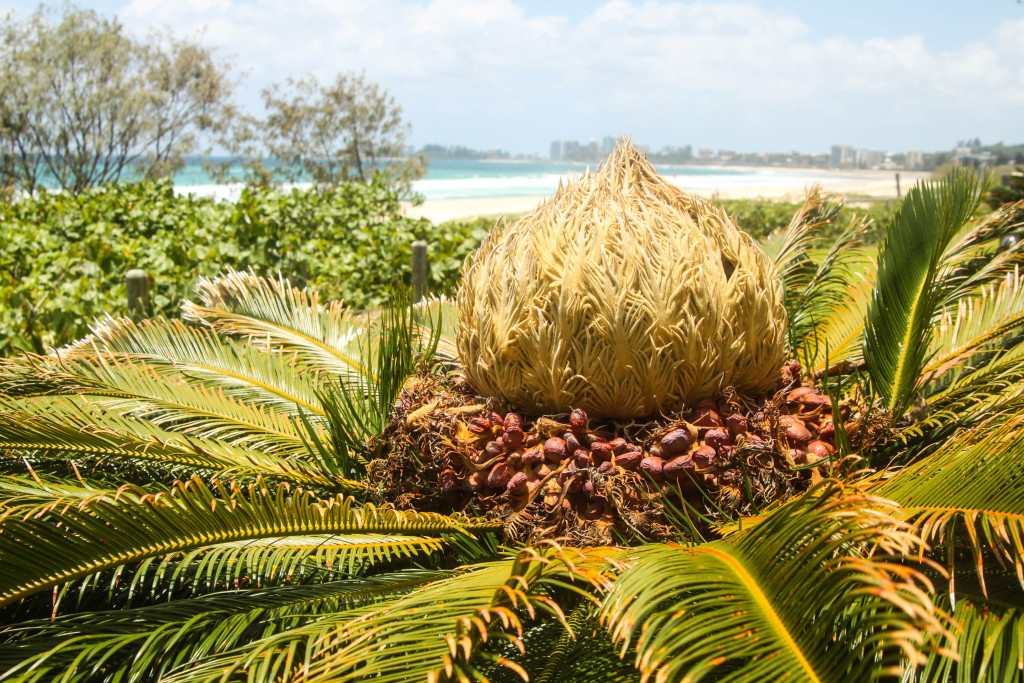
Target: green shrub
(63, 258)
(759, 217)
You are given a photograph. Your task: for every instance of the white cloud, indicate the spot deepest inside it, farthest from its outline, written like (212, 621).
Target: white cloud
(452, 62)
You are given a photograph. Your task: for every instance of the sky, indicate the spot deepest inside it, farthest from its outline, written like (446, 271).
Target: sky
(759, 75)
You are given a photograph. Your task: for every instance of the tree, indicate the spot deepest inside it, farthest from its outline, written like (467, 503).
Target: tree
(203, 502)
(348, 130)
(82, 103)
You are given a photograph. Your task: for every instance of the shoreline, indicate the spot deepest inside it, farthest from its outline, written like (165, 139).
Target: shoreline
(790, 186)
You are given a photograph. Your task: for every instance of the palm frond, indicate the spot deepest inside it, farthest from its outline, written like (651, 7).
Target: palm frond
(969, 489)
(70, 425)
(197, 356)
(989, 641)
(813, 290)
(433, 633)
(908, 293)
(797, 597)
(145, 643)
(136, 525)
(133, 388)
(279, 318)
(973, 332)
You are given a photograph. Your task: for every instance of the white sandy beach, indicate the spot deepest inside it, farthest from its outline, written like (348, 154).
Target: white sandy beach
(786, 185)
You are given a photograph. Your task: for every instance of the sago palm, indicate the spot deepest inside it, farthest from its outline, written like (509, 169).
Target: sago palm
(278, 488)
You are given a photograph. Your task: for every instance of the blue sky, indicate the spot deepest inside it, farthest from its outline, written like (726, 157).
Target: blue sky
(768, 75)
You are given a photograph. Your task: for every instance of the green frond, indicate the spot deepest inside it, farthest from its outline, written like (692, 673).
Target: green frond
(434, 633)
(279, 318)
(145, 643)
(136, 525)
(975, 330)
(799, 597)
(908, 293)
(969, 490)
(132, 388)
(198, 356)
(989, 641)
(814, 289)
(838, 337)
(71, 425)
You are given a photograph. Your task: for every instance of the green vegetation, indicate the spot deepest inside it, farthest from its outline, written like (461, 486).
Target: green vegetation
(199, 501)
(64, 257)
(82, 103)
(760, 218)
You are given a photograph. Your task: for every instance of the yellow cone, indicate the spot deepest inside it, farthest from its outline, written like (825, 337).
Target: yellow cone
(621, 295)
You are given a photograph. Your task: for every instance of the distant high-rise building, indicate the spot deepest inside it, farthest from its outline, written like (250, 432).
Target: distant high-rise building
(593, 150)
(570, 150)
(842, 156)
(607, 145)
(556, 150)
(868, 158)
(915, 159)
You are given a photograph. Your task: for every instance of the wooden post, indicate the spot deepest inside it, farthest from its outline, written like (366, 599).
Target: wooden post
(898, 195)
(419, 270)
(139, 304)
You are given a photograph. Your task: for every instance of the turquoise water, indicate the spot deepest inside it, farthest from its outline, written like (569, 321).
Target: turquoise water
(449, 179)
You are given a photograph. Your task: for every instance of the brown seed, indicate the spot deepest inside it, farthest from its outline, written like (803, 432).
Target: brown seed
(518, 484)
(565, 474)
(543, 471)
(498, 477)
(578, 419)
(676, 442)
(474, 483)
(794, 369)
(629, 461)
(706, 418)
(582, 458)
(572, 443)
(513, 421)
(532, 439)
(594, 510)
(601, 451)
(449, 483)
(704, 457)
(736, 423)
(495, 420)
(820, 449)
(718, 438)
(606, 468)
(677, 468)
(706, 404)
(798, 455)
(827, 430)
(657, 451)
(554, 449)
(479, 425)
(653, 466)
(494, 448)
(513, 438)
(619, 445)
(790, 420)
(799, 393)
(533, 457)
(797, 436)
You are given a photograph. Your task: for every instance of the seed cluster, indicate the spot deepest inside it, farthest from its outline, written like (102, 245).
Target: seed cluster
(720, 455)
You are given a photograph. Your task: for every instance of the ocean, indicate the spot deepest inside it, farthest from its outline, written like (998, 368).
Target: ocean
(450, 179)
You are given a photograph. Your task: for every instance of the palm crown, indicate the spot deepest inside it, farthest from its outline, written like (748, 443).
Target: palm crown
(204, 499)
